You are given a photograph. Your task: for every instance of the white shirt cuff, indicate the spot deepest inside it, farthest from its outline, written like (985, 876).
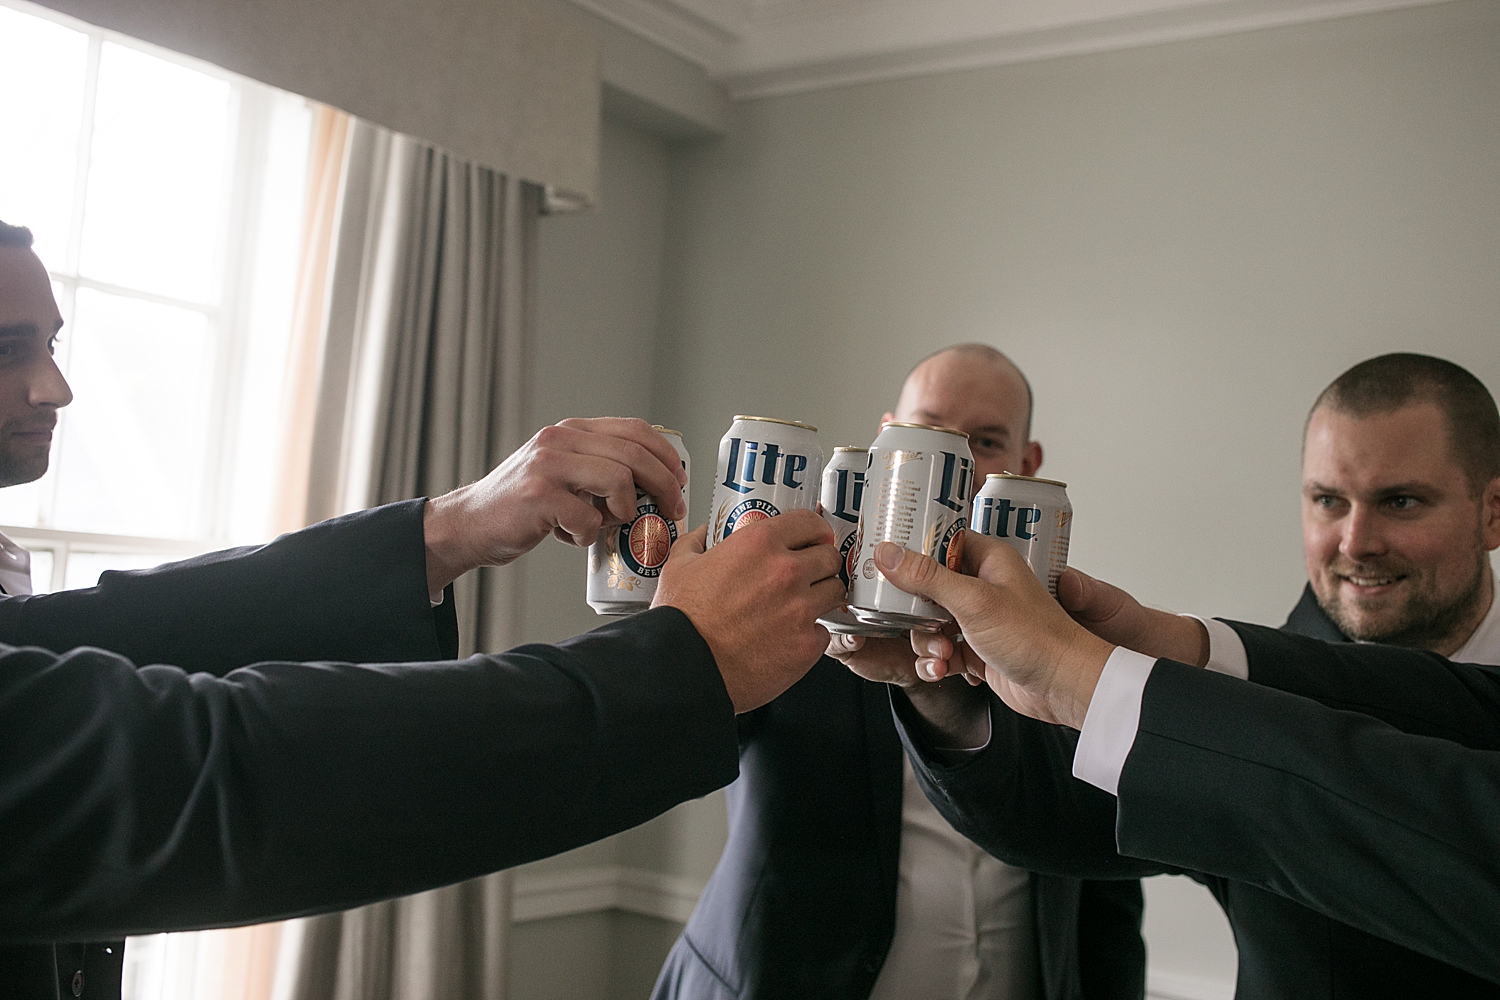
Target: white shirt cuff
(1226, 651)
(1114, 715)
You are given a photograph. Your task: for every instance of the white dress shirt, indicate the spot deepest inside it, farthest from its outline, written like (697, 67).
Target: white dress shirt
(965, 926)
(15, 568)
(1114, 714)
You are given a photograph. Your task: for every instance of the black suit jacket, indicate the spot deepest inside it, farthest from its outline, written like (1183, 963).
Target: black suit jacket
(803, 902)
(138, 798)
(1306, 801)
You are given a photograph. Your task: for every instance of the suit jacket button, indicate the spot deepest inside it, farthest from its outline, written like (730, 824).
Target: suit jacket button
(78, 983)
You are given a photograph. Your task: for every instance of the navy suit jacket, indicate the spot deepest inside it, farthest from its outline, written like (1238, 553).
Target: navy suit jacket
(803, 902)
(238, 785)
(1342, 807)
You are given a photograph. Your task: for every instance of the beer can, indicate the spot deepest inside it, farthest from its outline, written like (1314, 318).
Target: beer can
(916, 495)
(766, 467)
(626, 559)
(843, 493)
(1033, 515)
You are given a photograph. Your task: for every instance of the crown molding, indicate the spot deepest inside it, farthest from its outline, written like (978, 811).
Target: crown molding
(765, 48)
(1197, 21)
(678, 29)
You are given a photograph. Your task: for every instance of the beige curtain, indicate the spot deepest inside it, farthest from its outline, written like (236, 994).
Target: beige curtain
(327, 149)
(421, 390)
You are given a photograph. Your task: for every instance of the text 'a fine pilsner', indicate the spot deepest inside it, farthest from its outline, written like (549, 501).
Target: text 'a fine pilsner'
(766, 467)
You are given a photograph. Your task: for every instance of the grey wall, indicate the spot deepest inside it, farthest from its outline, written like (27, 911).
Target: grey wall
(598, 286)
(1181, 245)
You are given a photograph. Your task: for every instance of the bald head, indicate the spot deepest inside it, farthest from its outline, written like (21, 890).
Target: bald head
(976, 389)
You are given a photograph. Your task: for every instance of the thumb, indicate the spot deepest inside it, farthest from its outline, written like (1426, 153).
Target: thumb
(923, 576)
(1076, 591)
(691, 545)
(1088, 600)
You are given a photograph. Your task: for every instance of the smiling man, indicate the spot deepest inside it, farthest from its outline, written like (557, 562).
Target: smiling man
(1401, 508)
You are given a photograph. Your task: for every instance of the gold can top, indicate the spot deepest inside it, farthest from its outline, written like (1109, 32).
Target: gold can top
(850, 447)
(924, 427)
(1024, 479)
(774, 420)
(658, 428)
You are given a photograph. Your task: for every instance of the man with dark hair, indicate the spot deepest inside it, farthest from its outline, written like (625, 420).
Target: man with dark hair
(240, 784)
(1401, 486)
(840, 880)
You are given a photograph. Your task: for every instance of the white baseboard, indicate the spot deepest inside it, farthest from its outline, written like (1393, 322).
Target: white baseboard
(590, 890)
(1161, 985)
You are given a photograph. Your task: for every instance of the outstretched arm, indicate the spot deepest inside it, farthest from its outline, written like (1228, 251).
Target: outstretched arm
(1388, 831)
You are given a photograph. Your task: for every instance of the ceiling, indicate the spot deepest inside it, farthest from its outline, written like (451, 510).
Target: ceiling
(757, 48)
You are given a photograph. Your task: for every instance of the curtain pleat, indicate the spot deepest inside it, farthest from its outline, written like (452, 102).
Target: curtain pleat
(434, 400)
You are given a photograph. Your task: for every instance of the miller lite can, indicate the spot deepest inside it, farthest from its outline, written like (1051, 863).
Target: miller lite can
(1033, 515)
(626, 559)
(843, 494)
(766, 467)
(916, 495)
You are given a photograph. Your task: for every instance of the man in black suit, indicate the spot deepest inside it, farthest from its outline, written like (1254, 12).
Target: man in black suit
(239, 785)
(1353, 853)
(839, 880)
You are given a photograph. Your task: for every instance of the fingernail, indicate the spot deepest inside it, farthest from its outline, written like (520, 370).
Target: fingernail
(888, 555)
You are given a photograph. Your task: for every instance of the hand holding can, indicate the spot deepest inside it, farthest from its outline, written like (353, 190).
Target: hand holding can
(626, 559)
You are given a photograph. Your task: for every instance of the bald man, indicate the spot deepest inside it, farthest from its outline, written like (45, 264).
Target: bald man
(839, 879)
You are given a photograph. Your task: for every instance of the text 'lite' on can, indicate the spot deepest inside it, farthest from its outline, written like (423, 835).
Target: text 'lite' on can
(626, 559)
(766, 467)
(1033, 515)
(842, 496)
(916, 495)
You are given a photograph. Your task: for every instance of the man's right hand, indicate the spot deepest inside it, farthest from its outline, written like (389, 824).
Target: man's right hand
(755, 598)
(569, 480)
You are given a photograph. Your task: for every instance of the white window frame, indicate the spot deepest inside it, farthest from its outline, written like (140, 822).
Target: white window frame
(226, 310)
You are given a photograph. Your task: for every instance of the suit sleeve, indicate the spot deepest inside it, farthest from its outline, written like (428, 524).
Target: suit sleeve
(1416, 692)
(353, 588)
(135, 800)
(1394, 833)
(1111, 951)
(1017, 798)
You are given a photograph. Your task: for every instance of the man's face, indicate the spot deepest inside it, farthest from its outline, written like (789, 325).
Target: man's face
(32, 389)
(1397, 549)
(981, 396)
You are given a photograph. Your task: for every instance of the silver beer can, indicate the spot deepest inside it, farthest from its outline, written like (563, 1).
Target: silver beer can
(843, 494)
(916, 495)
(626, 559)
(766, 467)
(1033, 515)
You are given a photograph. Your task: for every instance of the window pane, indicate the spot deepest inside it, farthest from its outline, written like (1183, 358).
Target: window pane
(84, 568)
(133, 449)
(41, 570)
(41, 78)
(158, 176)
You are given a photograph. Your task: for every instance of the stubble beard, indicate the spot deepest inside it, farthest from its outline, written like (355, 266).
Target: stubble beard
(16, 469)
(1424, 622)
